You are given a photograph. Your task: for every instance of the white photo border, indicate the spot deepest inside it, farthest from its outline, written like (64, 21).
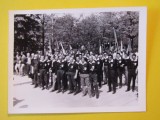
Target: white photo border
(141, 107)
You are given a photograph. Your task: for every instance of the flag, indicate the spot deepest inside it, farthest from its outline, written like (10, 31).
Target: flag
(121, 46)
(63, 50)
(57, 45)
(70, 47)
(100, 49)
(115, 36)
(129, 49)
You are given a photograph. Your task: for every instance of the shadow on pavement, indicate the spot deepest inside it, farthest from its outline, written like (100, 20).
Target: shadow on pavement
(16, 101)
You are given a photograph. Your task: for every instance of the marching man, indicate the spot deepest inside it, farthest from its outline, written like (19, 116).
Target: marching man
(93, 77)
(84, 76)
(112, 74)
(132, 72)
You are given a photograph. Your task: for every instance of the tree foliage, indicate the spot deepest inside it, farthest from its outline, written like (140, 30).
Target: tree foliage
(91, 31)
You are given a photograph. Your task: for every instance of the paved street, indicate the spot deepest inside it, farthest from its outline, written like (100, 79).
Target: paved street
(26, 96)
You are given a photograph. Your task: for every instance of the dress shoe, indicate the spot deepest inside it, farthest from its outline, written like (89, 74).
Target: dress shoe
(109, 90)
(43, 88)
(127, 90)
(70, 92)
(52, 90)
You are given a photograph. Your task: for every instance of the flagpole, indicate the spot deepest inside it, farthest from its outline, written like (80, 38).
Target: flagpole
(115, 36)
(62, 49)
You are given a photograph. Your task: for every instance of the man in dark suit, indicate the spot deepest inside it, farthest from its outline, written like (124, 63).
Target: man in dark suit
(72, 75)
(93, 77)
(42, 72)
(112, 74)
(132, 71)
(84, 76)
(120, 68)
(54, 68)
(35, 64)
(61, 74)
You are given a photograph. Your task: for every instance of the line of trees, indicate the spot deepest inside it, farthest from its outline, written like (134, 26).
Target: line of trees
(34, 32)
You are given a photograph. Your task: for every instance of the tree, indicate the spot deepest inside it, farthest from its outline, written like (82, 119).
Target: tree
(46, 31)
(27, 36)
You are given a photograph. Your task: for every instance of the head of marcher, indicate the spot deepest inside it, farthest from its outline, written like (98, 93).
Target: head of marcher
(91, 59)
(83, 60)
(22, 53)
(42, 58)
(35, 56)
(110, 57)
(134, 56)
(77, 59)
(100, 57)
(46, 57)
(17, 53)
(28, 54)
(118, 55)
(32, 55)
(105, 55)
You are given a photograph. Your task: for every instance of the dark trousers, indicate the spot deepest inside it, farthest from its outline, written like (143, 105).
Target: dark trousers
(100, 79)
(72, 82)
(131, 77)
(65, 81)
(35, 77)
(60, 80)
(94, 83)
(43, 78)
(106, 74)
(112, 80)
(126, 75)
(28, 68)
(78, 84)
(119, 75)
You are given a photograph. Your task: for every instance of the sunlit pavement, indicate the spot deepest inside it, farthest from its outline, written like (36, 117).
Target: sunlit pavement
(26, 96)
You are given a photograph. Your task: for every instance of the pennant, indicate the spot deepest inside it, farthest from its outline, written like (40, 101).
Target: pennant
(115, 36)
(129, 48)
(70, 47)
(63, 50)
(100, 49)
(121, 46)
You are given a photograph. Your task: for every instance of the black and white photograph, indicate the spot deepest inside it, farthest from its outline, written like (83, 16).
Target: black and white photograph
(77, 60)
